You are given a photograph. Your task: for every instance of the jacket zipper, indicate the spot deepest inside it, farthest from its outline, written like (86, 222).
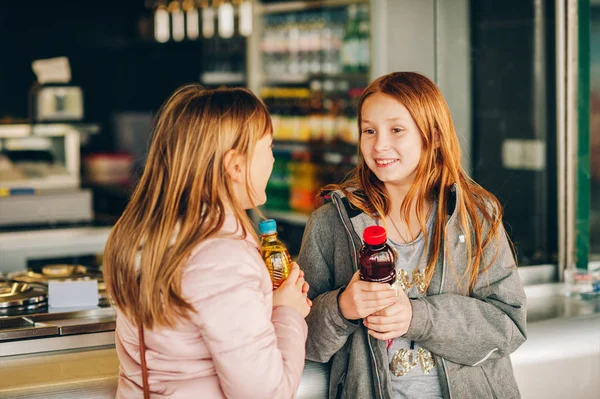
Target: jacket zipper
(355, 257)
(340, 386)
(442, 289)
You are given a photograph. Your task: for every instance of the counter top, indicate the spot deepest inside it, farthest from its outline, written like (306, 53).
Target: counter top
(547, 301)
(561, 358)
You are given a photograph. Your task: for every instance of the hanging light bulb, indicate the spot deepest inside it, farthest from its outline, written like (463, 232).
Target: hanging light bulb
(245, 12)
(191, 19)
(225, 15)
(178, 21)
(161, 23)
(208, 19)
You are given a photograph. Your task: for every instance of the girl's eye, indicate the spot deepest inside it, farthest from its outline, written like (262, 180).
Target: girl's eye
(369, 131)
(397, 130)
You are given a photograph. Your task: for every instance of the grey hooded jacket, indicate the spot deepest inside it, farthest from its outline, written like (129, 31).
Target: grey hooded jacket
(471, 337)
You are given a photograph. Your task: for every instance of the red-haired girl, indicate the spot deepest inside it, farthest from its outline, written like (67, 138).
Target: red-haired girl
(457, 309)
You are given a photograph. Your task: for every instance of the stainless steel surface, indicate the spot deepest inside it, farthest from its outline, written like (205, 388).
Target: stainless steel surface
(56, 324)
(83, 325)
(20, 294)
(561, 357)
(538, 274)
(549, 302)
(72, 206)
(17, 247)
(41, 346)
(26, 329)
(55, 273)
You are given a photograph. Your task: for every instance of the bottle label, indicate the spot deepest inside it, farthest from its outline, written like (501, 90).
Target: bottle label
(390, 279)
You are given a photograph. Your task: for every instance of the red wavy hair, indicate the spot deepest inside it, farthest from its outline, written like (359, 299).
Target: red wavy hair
(438, 170)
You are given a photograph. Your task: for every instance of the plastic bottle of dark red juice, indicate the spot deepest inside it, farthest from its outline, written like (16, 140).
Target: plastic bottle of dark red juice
(376, 259)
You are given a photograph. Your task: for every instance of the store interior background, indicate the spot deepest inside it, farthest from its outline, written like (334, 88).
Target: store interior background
(125, 75)
(497, 63)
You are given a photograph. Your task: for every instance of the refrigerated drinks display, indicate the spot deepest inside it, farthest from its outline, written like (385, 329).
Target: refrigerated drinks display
(314, 66)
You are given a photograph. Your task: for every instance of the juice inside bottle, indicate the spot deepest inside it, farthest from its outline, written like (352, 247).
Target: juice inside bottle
(275, 254)
(377, 260)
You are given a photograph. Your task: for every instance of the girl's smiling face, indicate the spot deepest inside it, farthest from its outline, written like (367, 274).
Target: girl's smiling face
(390, 141)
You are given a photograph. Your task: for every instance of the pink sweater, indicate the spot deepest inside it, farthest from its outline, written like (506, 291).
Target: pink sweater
(235, 346)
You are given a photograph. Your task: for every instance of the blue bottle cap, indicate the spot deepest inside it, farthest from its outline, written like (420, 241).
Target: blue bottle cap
(267, 226)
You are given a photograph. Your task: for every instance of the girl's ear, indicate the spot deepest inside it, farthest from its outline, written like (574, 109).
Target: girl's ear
(234, 166)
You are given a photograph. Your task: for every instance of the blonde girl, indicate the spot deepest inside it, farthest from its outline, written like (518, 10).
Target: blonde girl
(196, 314)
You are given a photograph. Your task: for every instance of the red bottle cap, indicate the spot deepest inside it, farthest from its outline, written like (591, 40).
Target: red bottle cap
(374, 235)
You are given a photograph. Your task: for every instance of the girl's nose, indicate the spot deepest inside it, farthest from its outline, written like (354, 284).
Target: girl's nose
(382, 143)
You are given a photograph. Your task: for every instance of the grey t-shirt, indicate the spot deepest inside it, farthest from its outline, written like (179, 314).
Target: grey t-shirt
(411, 367)
(415, 383)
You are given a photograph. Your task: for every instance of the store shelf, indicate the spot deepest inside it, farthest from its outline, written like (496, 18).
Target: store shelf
(290, 146)
(222, 78)
(45, 129)
(289, 6)
(301, 78)
(66, 181)
(297, 218)
(287, 79)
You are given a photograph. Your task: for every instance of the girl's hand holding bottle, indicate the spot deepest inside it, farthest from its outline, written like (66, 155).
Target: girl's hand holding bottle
(361, 298)
(293, 292)
(392, 321)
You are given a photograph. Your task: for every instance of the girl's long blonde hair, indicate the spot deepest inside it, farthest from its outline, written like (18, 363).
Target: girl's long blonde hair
(180, 199)
(438, 170)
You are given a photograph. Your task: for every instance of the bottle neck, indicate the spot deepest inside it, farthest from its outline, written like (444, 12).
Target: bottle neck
(376, 247)
(269, 237)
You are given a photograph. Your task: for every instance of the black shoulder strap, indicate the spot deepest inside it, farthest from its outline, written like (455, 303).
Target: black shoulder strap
(451, 202)
(351, 210)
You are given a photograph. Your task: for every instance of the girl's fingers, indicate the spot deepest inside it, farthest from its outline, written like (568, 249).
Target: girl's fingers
(388, 311)
(384, 336)
(376, 287)
(382, 326)
(355, 278)
(300, 284)
(305, 287)
(378, 304)
(293, 276)
(371, 310)
(378, 295)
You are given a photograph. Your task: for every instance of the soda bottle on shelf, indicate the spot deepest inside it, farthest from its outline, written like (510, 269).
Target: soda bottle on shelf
(376, 259)
(274, 253)
(278, 186)
(304, 183)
